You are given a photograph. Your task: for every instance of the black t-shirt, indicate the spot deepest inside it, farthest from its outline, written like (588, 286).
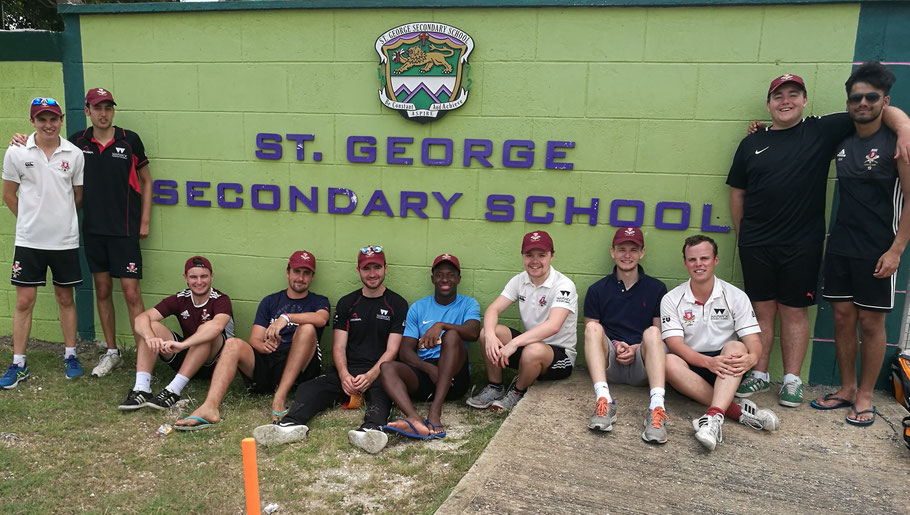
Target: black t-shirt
(368, 322)
(784, 173)
(869, 196)
(112, 197)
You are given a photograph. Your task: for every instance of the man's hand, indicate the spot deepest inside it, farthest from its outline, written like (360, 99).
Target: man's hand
(155, 343)
(432, 337)
(173, 347)
(625, 353)
(347, 384)
(493, 348)
(755, 127)
(18, 140)
(143, 229)
(741, 363)
(887, 264)
(363, 381)
(273, 333)
(720, 366)
(505, 353)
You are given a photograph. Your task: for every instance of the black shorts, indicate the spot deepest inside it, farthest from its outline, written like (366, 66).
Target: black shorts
(705, 373)
(850, 280)
(30, 267)
(268, 369)
(560, 367)
(426, 387)
(118, 255)
(788, 275)
(205, 371)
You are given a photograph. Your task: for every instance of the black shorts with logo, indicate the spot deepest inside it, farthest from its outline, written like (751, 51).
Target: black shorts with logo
(118, 255)
(705, 373)
(560, 367)
(268, 369)
(850, 280)
(30, 267)
(788, 275)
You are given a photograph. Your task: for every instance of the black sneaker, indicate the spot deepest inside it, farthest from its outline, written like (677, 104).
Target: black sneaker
(135, 400)
(164, 400)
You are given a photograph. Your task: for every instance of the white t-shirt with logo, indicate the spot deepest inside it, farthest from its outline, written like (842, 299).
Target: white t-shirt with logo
(47, 211)
(727, 314)
(535, 303)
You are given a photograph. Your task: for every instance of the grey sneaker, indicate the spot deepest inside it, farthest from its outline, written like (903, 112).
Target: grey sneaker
(370, 440)
(486, 397)
(508, 401)
(604, 415)
(757, 418)
(709, 430)
(654, 426)
(750, 385)
(791, 394)
(281, 433)
(106, 364)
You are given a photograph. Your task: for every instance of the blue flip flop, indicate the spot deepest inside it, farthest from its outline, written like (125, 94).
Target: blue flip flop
(862, 423)
(434, 427)
(841, 403)
(203, 424)
(415, 434)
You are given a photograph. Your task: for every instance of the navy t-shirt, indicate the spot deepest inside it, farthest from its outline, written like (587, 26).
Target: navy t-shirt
(272, 306)
(625, 314)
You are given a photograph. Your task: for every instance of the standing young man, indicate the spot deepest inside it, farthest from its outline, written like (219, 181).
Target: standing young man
(866, 242)
(47, 175)
(777, 202)
(206, 319)
(548, 305)
(622, 335)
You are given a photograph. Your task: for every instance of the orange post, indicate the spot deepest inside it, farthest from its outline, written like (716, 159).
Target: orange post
(250, 476)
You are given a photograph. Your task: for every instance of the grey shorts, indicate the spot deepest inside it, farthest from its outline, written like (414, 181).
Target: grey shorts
(633, 373)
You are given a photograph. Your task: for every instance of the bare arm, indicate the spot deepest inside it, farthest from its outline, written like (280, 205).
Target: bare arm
(677, 346)
(145, 177)
(9, 196)
(891, 259)
(898, 121)
(207, 331)
(468, 331)
(315, 318)
(407, 354)
(548, 328)
(737, 198)
(339, 356)
(492, 346)
(77, 196)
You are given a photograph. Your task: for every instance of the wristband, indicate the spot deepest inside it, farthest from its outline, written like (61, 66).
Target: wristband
(285, 317)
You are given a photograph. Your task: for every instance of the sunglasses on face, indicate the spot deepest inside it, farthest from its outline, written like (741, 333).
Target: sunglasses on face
(40, 101)
(856, 98)
(369, 248)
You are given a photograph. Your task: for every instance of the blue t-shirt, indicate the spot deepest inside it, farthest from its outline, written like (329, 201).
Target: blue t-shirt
(426, 312)
(272, 306)
(625, 314)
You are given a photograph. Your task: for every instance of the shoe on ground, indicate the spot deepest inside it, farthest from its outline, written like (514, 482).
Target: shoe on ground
(791, 394)
(164, 400)
(709, 430)
(73, 368)
(757, 418)
(13, 376)
(486, 397)
(752, 384)
(654, 426)
(134, 400)
(106, 364)
(370, 440)
(508, 401)
(604, 415)
(280, 433)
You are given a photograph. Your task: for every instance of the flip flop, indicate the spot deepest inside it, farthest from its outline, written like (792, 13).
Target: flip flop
(203, 424)
(278, 415)
(415, 434)
(841, 403)
(862, 423)
(433, 427)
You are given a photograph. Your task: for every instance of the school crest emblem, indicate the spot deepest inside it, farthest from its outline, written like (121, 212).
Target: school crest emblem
(17, 269)
(131, 268)
(423, 69)
(688, 316)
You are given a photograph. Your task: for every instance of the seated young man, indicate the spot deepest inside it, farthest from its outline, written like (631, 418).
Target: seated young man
(548, 305)
(283, 347)
(433, 353)
(204, 315)
(700, 320)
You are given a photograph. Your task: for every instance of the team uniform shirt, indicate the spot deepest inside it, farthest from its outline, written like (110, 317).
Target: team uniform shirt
(368, 322)
(870, 197)
(707, 327)
(625, 313)
(274, 305)
(112, 200)
(784, 174)
(426, 312)
(535, 303)
(191, 317)
(47, 209)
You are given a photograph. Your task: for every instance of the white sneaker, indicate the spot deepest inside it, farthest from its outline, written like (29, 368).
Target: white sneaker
(709, 430)
(106, 364)
(757, 418)
(370, 440)
(278, 434)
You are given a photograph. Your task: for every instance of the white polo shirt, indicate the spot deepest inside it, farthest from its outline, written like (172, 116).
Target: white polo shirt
(47, 211)
(707, 328)
(535, 303)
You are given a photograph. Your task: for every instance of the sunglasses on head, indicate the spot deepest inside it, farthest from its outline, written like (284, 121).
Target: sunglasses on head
(856, 98)
(368, 248)
(40, 101)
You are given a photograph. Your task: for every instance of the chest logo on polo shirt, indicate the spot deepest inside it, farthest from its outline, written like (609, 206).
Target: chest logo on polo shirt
(65, 166)
(354, 317)
(29, 164)
(720, 314)
(542, 301)
(185, 314)
(383, 315)
(871, 159)
(120, 153)
(563, 296)
(205, 315)
(689, 317)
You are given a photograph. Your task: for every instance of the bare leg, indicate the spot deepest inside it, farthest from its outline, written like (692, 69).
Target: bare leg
(452, 356)
(133, 297)
(535, 359)
(794, 337)
(725, 387)
(872, 325)
(145, 357)
(494, 372)
(687, 382)
(105, 303)
(846, 347)
(765, 312)
(596, 352)
(303, 347)
(67, 308)
(398, 380)
(237, 354)
(22, 317)
(654, 356)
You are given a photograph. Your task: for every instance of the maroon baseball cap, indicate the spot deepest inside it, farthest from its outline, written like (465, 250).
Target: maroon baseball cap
(370, 254)
(197, 261)
(41, 104)
(442, 258)
(785, 78)
(536, 240)
(624, 234)
(302, 259)
(97, 95)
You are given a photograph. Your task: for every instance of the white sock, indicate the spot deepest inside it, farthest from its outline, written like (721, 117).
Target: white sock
(602, 390)
(113, 352)
(178, 383)
(657, 398)
(791, 378)
(143, 382)
(764, 376)
(69, 352)
(19, 359)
